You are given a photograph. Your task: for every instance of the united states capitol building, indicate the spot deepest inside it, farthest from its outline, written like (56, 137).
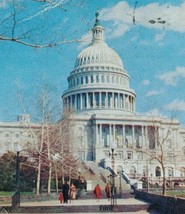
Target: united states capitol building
(105, 118)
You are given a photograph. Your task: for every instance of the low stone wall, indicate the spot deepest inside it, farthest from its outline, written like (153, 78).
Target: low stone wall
(164, 204)
(41, 197)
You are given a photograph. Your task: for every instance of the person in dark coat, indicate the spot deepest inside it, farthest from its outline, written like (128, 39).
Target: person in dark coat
(65, 190)
(108, 190)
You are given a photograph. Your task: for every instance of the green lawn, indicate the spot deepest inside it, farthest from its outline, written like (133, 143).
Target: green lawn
(180, 193)
(3, 193)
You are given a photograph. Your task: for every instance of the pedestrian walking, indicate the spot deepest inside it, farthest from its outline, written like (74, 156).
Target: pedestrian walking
(98, 192)
(61, 198)
(108, 191)
(72, 191)
(65, 190)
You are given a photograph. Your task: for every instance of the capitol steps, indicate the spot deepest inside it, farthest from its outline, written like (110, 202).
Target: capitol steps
(102, 176)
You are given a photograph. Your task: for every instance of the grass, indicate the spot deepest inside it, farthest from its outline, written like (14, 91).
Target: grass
(179, 193)
(4, 193)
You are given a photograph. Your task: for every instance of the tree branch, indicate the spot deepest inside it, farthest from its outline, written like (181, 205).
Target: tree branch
(50, 45)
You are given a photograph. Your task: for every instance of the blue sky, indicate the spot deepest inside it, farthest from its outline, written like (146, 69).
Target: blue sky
(152, 54)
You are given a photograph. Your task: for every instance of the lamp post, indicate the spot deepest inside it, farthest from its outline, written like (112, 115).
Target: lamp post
(120, 187)
(16, 195)
(113, 189)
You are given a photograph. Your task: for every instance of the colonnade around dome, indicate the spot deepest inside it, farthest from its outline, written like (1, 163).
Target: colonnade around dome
(99, 100)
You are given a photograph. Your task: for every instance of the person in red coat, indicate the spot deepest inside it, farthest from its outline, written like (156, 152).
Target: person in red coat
(61, 198)
(97, 192)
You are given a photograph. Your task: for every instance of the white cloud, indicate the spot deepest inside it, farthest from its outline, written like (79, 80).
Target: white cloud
(4, 3)
(178, 105)
(153, 93)
(86, 40)
(122, 16)
(172, 77)
(146, 82)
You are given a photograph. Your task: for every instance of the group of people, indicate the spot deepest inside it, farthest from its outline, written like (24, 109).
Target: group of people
(98, 191)
(68, 193)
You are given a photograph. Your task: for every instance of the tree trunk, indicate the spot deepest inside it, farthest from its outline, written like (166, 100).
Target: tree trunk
(49, 178)
(164, 181)
(38, 176)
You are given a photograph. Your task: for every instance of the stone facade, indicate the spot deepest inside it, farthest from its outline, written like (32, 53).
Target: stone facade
(104, 110)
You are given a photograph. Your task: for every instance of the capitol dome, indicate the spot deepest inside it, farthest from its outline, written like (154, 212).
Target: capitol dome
(98, 79)
(98, 54)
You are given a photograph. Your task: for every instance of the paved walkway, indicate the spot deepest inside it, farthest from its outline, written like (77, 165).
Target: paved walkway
(81, 202)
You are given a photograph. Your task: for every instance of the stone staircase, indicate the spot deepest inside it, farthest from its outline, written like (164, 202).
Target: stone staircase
(102, 176)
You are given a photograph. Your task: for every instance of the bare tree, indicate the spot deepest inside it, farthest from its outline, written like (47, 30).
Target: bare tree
(156, 149)
(26, 22)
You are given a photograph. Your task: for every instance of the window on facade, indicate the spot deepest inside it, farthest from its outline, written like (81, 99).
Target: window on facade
(7, 135)
(157, 171)
(132, 170)
(90, 99)
(170, 172)
(17, 135)
(84, 101)
(97, 78)
(151, 136)
(92, 79)
(109, 99)
(108, 79)
(97, 99)
(129, 155)
(78, 101)
(77, 81)
(82, 81)
(117, 80)
(102, 79)
(86, 79)
(113, 79)
(121, 81)
(105, 132)
(103, 98)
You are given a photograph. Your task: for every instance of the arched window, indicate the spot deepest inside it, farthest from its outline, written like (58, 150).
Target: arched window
(133, 171)
(157, 171)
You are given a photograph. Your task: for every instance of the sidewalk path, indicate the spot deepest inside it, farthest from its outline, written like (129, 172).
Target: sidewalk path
(80, 202)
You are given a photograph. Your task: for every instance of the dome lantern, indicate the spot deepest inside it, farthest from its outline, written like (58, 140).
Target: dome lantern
(98, 30)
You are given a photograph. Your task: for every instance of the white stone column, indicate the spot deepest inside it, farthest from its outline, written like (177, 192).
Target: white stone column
(80, 100)
(110, 135)
(113, 103)
(93, 97)
(123, 135)
(143, 136)
(71, 98)
(106, 99)
(133, 136)
(114, 135)
(87, 100)
(97, 135)
(75, 101)
(100, 135)
(100, 99)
